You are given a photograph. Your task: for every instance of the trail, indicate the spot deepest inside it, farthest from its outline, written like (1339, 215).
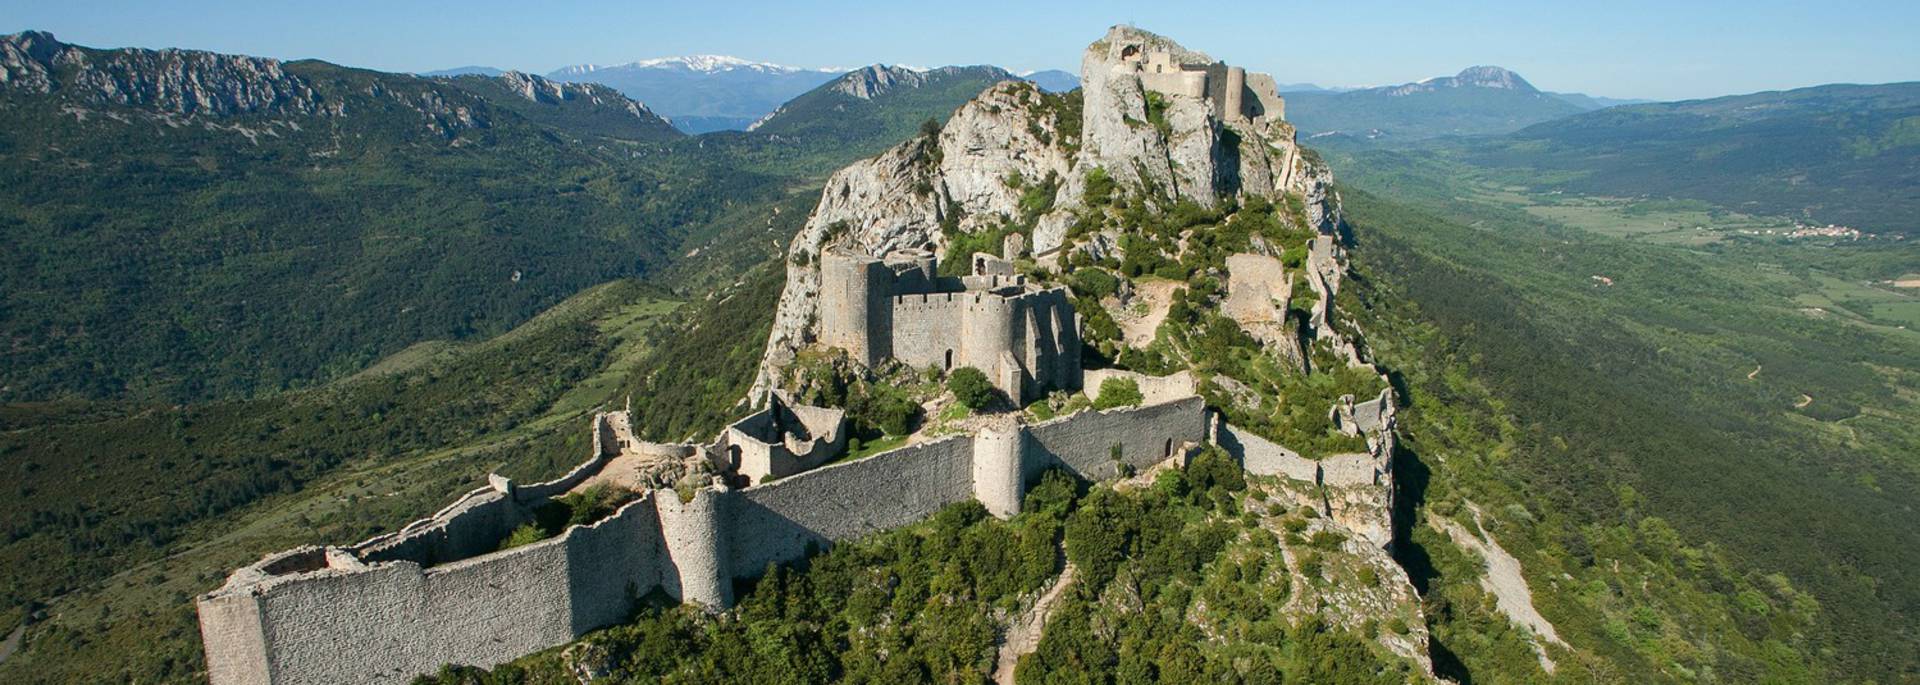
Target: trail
(1755, 373)
(1024, 635)
(12, 643)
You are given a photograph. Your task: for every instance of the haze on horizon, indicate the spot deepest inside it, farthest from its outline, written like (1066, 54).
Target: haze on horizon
(1633, 49)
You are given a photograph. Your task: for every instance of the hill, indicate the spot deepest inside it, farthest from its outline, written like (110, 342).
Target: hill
(1054, 80)
(871, 103)
(1479, 100)
(703, 93)
(1846, 154)
(470, 70)
(195, 225)
(1740, 391)
(276, 225)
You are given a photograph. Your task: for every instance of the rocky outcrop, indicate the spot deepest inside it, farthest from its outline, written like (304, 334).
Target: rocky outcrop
(899, 199)
(1165, 143)
(549, 92)
(869, 82)
(179, 82)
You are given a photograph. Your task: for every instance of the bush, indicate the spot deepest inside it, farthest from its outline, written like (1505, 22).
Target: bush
(971, 387)
(526, 534)
(1093, 282)
(1118, 392)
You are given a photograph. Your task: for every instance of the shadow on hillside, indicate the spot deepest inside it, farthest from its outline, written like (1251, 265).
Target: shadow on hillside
(1411, 475)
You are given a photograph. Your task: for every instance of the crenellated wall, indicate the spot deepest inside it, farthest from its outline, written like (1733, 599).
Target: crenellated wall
(895, 309)
(437, 592)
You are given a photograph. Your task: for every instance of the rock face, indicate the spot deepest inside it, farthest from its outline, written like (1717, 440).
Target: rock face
(549, 92)
(1153, 114)
(182, 82)
(899, 199)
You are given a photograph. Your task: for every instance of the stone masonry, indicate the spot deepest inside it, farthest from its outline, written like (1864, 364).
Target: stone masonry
(1025, 339)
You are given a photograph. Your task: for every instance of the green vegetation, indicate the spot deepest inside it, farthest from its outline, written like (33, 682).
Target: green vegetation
(879, 404)
(119, 514)
(1642, 447)
(1157, 114)
(925, 603)
(1830, 154)
(971, 388)
(582, 508)
(1118, 392)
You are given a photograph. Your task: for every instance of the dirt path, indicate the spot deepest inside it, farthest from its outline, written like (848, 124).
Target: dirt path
(1508, 586)
(1755, 373)
(1139, 329)
(1023, 636)
(12, 643)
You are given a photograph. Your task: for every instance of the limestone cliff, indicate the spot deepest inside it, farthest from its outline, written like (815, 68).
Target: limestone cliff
(175, 81)
(1172, 145)
(1158, 131)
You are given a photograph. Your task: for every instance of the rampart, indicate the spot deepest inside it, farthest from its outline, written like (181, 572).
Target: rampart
(439, 591)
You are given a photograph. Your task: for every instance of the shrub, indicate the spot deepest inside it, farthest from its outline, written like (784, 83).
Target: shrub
(1118, 392)
(526, 534)
(1100, 187)
(1094, 282)
(971, 387)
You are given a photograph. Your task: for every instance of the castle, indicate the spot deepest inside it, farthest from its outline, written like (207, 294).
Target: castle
(1234, 94)
(775, 486)
(1026, 339)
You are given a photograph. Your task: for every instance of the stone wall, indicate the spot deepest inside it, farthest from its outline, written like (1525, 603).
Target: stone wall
(1153, 389)
(1263, 457)
(473, 525)
(780, 521)
(1347, 470)
(326, 615)
(1084, 443)
(926, 329)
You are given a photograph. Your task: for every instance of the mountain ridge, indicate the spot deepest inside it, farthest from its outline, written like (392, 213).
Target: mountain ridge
(1477, 100)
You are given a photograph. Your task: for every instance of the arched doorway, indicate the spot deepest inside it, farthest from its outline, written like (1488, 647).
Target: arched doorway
(949, 360)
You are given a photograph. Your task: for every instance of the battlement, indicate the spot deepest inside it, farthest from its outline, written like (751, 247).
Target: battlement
(1235, 94)
(392, 607)
(1026, 339)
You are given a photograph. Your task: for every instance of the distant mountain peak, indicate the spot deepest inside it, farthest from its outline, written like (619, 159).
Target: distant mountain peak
(1486, 76)
(1482, 76)
(867, 82)
(705, 64)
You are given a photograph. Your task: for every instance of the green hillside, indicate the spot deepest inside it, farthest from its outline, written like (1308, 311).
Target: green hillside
(892, 105)
(1684, 430)
(201, 250)
(1843, 154)
(1481, 100)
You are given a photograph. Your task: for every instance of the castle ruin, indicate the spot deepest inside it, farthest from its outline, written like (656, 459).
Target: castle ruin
(1026, 339)
(1234, 94)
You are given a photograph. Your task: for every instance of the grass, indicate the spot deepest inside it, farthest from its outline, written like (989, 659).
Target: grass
(869, 448)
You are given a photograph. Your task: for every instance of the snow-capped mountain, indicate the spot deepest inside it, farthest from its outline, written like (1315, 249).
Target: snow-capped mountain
(706, 64)
(701, 93)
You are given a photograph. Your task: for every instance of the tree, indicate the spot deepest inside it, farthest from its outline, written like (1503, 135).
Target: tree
(971, 387)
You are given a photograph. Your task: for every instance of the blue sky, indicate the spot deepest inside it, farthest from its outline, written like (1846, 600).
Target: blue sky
(1663, 50)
